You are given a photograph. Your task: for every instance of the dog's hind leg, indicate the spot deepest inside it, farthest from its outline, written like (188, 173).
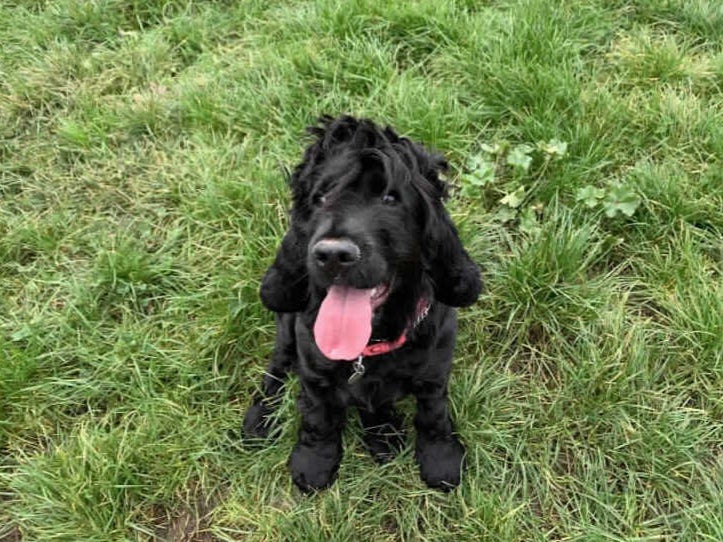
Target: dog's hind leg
(384, 435)
(258, 421)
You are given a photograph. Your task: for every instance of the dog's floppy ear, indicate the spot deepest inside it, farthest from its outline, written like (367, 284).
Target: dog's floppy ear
(455, 277)
(284, 287)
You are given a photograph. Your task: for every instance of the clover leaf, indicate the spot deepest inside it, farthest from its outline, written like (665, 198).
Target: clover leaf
(590, 195)
(519, 157)
(620, 199)
(482, 172)
(554, 148)
(514, 199)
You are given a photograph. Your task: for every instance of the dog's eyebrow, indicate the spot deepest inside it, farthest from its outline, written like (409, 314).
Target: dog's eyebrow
(390, 162)
(338, 173)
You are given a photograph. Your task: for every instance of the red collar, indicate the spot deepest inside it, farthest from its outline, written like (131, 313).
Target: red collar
(384, 347)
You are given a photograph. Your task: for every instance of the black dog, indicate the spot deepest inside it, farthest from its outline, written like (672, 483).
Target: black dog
(364, 285)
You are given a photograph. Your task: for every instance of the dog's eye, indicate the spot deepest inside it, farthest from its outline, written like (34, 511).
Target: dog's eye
(318, 199)
(390, 198)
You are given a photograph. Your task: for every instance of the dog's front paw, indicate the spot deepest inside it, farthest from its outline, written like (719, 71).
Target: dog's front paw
(314, 467)
(440, 462)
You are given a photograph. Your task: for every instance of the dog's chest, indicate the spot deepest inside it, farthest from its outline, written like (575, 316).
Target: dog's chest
(384, 380)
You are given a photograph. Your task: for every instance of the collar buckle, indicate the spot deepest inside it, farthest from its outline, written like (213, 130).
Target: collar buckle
(359, 370)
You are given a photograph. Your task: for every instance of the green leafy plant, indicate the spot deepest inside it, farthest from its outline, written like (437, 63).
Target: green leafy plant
(514, 199)
(590, 196)
(509, 175)
(481, 173)
(615, 199)
(519, 157)
(620, 199)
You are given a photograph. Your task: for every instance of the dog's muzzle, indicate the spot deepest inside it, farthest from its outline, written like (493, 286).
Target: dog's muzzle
(335, 256)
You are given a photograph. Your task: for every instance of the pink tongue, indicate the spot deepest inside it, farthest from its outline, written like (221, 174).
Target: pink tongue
(344, 323)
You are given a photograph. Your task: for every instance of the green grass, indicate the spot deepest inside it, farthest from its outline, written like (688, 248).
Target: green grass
(142, 149)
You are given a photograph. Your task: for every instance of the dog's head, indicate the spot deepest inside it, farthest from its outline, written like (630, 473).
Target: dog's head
(368, 230)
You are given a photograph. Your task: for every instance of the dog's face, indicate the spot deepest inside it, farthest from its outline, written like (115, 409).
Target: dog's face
(364, 224)
(368, 230)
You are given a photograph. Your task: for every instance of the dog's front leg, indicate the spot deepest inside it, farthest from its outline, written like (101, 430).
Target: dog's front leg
(439, 452)
(316, 456)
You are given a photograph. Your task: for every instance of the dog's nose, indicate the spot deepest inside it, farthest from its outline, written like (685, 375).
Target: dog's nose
(335, 254)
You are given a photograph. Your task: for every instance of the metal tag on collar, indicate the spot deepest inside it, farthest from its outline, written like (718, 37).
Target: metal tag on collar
(359, 370)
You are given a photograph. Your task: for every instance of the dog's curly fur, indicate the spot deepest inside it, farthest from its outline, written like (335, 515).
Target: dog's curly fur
(383, 192)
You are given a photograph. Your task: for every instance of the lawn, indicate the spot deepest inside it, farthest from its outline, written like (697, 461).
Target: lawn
(143, 145)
